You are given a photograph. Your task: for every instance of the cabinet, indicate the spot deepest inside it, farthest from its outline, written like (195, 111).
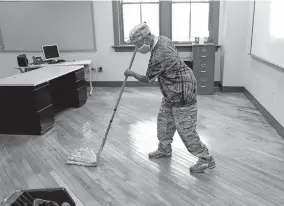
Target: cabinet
(26, 109)
(42, 109)
(78, 93)
(69, 90)
(203, 67)
(30, 110)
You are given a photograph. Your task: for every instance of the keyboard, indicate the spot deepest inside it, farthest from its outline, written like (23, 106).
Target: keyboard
(60, 60)
(56, 61)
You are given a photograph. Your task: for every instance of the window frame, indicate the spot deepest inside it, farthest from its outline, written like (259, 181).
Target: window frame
(190, 19)
(165, 23)
(121, 19)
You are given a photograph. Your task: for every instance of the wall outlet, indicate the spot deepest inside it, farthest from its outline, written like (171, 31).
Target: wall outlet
(99, 69)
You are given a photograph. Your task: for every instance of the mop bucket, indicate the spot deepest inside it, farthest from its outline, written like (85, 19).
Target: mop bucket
(28, 197)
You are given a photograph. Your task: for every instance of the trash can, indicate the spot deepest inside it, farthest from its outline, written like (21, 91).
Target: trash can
(27, 197)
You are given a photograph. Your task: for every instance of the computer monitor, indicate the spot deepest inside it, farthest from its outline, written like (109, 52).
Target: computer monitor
(50, 52)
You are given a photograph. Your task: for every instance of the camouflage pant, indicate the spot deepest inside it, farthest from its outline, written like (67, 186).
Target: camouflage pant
(182, 119)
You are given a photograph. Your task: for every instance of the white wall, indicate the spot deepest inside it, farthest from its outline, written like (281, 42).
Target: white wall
(233, 36)
(265, 82)
(113, 63)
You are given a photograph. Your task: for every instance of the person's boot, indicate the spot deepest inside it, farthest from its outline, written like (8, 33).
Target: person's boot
(203, 164)
(159, 153)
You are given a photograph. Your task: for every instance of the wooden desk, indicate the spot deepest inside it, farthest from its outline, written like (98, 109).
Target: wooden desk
(28, 68)
(29, 100)
(86, 64)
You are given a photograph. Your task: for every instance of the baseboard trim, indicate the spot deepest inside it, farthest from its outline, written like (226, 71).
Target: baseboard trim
(217, 84)
(119, 84)
(131, 84)
(279, 128)
(231, 89)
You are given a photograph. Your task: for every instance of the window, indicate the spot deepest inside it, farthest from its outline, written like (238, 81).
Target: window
(135, 12)
(180, 20)
(190, 19)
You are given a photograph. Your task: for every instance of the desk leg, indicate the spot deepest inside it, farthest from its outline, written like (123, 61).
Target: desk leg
(90, 79)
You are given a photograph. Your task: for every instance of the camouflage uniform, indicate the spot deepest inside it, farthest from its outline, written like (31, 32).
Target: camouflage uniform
(178, 109)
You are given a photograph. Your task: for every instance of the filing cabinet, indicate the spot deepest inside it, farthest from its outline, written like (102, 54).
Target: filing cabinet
(79, 89)
(203, 67)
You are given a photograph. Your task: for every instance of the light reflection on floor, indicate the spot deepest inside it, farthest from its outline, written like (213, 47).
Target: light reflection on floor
(145, 134)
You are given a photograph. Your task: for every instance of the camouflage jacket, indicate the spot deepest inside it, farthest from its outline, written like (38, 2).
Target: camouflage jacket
(177, 82)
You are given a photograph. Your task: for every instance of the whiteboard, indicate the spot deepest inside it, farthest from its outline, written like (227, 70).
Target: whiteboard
(268, 31)
(28, 25)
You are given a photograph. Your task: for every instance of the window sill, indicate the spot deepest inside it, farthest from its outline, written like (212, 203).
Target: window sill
(130, 48)
(124, 48)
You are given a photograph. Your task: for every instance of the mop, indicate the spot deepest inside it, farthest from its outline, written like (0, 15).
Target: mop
(87, 156)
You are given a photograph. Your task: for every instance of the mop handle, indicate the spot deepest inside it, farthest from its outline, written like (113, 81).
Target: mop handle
(114, 111)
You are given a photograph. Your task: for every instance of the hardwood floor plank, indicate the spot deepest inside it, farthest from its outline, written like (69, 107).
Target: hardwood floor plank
(75, 176)
(34, 162)
(33, 180)
(70, 146)
(100, 180)
(77, 189)
(248, 152)
(116, 144)
(15, 157)
(92, 175)
(265, 181)
(3, 190)
(74, 140)
(242, 181)
(233, 182)
(4, 176)
(62, 184)
(182, 160)
(11, 173)
(103, 176)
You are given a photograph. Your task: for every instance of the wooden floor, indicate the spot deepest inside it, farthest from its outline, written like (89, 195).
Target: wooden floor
(248, 152)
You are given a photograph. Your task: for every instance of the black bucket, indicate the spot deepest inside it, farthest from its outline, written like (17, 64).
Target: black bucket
(27, 197)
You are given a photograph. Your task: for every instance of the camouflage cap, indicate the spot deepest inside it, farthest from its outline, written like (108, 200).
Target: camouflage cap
(139, 32)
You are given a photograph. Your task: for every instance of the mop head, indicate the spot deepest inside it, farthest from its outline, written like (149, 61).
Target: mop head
(83, 157)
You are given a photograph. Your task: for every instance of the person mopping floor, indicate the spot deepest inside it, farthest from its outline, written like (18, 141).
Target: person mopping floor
(178, 85)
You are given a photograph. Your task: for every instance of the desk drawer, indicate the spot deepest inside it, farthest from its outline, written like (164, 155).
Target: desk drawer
(204, 65)
(203, 81)
(45, 118)
(42, 97)
(205, 84)
(80, 83)
(204, 51)
(81, 96)
(80, 74)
